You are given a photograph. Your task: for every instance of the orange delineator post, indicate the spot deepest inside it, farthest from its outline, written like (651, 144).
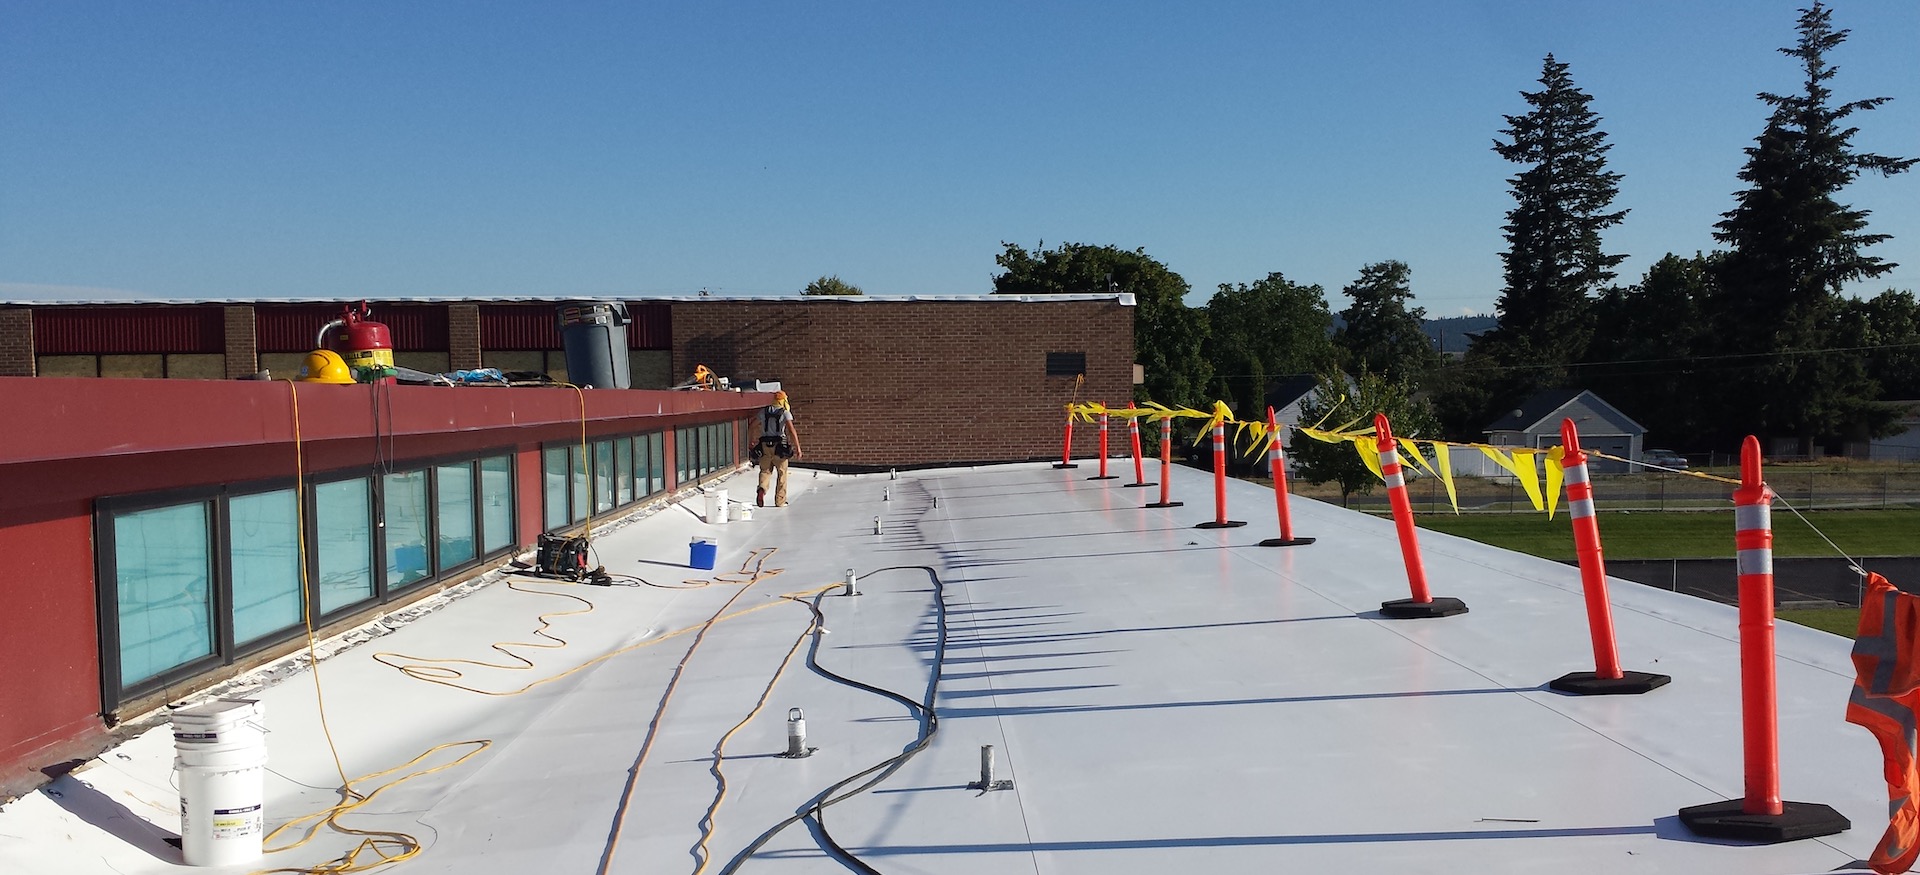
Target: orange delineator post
(1586, 545)
(1066, 446)
(1139, 467)
(1103, 475)
(1423, 604)
(1761, 814)
(1277, 466)
(1220, 520)
(1166, 462)
(1759, 701)
(1606, 676)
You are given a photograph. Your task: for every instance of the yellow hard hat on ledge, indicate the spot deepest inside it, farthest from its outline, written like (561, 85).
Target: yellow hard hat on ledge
(324, 366)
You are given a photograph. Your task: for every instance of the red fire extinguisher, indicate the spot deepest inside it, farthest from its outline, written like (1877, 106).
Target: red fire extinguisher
(366, 345)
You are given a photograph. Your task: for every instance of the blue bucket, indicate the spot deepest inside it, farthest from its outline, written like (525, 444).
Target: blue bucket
(702, 552)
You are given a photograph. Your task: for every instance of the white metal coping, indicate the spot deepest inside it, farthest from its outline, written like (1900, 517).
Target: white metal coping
(92, 299)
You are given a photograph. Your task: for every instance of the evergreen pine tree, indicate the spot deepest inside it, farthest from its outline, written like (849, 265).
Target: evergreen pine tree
(1794, 247)
(1554, 262)
(1381, 333)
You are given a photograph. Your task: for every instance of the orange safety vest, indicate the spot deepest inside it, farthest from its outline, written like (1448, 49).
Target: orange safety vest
(1886, 695)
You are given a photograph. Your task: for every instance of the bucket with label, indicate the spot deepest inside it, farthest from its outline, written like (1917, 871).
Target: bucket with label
(220, 752)
(716, 506)
(702, 553)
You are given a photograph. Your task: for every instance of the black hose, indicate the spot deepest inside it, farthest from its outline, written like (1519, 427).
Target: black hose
(815, 808)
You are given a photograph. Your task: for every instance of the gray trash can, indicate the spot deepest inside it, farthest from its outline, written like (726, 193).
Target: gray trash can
(594, 335)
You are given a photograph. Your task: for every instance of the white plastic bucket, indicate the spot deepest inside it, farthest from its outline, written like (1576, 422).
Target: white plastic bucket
(716, 506)
(222, 816)
(220, 752)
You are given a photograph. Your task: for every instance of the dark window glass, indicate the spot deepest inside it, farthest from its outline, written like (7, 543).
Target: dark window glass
(344, 543)
(163, 569)
(554, 477)
(406, 530)
(453, 495)
(496, 503)
(623, 470)
(265, 557)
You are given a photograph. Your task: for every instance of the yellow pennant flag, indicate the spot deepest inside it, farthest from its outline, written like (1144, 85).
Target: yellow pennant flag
(1409, 448)
(1529, 474)
(1442, 458)
(1369, 453)
(1555, 473)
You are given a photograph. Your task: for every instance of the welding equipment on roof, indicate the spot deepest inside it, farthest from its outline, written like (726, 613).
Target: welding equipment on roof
(365, 345)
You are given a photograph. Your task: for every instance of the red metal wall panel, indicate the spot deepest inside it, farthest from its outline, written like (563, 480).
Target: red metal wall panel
(519, 326)
(532, 326)
(652, 325)
(123, 330)
(293, 327)
(117, 437)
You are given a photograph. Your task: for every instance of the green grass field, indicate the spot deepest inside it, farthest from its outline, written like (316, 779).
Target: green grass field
(1691, 534)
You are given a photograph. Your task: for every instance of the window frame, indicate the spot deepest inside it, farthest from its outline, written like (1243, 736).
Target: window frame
(107, 590)
(216, 503)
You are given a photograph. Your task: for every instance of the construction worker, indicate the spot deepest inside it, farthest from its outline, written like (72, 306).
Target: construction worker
(779, 441)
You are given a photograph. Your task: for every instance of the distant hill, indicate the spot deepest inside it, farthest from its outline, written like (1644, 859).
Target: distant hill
(1451, 332)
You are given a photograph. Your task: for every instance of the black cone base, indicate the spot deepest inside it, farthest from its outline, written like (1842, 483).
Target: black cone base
(1167, 504)
(1797, 820)
(1065, 465)
(1286, 542)
(1105, 477)
(1228, 524)
(1143, 484)
(1586, 683)
(1408, 609)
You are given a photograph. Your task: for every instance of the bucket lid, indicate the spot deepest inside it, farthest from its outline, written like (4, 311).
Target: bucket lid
(220, 712)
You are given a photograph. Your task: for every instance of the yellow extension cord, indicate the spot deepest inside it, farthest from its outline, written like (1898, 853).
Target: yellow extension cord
(377, 842)
(390, 846)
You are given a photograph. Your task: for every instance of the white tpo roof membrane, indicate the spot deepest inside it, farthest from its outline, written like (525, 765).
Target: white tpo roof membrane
(1162, 698)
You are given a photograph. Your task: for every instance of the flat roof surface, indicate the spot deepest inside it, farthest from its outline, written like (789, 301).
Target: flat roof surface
(1163, 698)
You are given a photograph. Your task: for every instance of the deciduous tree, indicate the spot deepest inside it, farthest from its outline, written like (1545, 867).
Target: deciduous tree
(831, 285)
(1336, 402)
(1167, 334)
(1268, 329)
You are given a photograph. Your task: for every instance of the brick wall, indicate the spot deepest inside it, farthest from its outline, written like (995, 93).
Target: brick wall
(463, 336)
(243, 349)
(900, 382)
(16, 342)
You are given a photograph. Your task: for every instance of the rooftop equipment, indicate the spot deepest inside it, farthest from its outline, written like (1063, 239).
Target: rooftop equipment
(594, 336)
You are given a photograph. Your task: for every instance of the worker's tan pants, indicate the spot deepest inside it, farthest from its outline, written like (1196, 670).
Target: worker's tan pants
(770, 462)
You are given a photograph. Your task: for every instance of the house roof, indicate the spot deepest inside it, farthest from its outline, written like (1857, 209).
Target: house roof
(1160, 697)
(1549, 406)
(1282, 391)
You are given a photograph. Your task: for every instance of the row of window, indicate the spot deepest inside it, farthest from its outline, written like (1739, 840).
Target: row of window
(194, 579)
(611, 473)
(699, 450)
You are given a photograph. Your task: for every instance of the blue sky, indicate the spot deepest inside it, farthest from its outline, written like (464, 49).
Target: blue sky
(233, 149)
